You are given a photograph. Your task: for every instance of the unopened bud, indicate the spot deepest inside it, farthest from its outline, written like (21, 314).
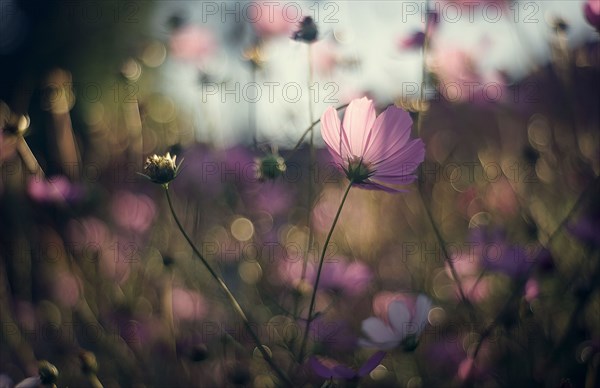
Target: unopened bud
(308, 31)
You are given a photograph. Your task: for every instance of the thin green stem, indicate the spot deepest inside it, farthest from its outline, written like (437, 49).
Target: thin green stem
(310, 174)
(313, 298)
(234, 302)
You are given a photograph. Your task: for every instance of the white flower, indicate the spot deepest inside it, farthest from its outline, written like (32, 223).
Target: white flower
(400, 320)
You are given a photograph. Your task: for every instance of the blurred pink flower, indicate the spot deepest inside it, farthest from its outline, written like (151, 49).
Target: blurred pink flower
(532, 290)
(290, 271)
(133, 212)
(188, 305)
(468, 269)
(193, 44)
(87, 234)
(591, 10)
(460, 79)
(399, 319)
(373, 150)
(412, 41)
(464, 368)
(56, 189)
(66, 288)
(116, 257)
(501, 197)
(328, 368)
(351, 279)
(269, 19)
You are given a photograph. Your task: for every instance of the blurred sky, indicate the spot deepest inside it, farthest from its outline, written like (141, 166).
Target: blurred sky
(364, 35)
(360, 37)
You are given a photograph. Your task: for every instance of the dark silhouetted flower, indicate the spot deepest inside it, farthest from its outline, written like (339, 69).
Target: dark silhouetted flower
(308, 31)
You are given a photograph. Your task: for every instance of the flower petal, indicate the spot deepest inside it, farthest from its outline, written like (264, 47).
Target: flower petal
(399, 317)
(371, 363)
(390, 133)
(422, 311)
(343, 372)
(319, 368)
(371, 185)
(377, 330)
(404, 162)
(331, 132)
(359, 119)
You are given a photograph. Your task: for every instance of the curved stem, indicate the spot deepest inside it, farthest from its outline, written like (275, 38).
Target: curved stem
(234, 302)
(310, 128)
(448, 259)
(313, 298)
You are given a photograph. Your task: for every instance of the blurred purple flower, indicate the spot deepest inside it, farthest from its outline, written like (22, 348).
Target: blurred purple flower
(328, 368)
(399, 320)
(133, 212)
(586, 229)
(56, 189)
(351, 279)
(270, 197)
(201, 174)
(497, 254)
(372, 149)
(450, 358)
(591, 10)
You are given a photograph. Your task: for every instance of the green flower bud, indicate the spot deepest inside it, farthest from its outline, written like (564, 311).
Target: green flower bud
(161, 169)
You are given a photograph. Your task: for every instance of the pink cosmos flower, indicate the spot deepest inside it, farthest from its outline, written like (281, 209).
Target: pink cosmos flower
(371, 150)
(591, 10)
(399, 320)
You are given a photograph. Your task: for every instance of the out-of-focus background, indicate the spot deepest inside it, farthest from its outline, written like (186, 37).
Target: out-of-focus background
(96, 279)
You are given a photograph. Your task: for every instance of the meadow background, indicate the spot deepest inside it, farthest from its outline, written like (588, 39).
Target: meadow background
(500, 230)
